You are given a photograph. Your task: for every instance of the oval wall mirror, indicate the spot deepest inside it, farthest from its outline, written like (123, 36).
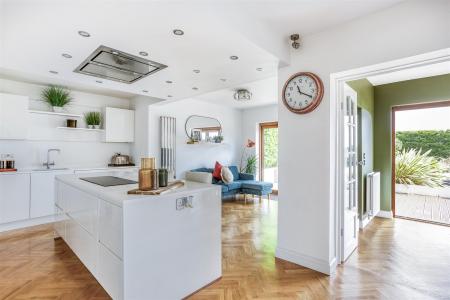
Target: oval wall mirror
(202, 129)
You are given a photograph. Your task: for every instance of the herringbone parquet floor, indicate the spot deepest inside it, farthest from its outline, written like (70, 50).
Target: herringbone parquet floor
(396, 259)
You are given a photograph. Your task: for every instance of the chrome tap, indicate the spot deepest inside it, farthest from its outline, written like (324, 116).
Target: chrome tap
(48, 163)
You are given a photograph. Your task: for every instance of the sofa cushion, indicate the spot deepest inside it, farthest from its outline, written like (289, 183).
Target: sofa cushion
(203, 177)
(217, 168)
(226, 175)
(235, 185)
(235, 172)
(256, 185)
(207, 170)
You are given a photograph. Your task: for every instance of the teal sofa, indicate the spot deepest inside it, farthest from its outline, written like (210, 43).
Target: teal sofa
(242, 184)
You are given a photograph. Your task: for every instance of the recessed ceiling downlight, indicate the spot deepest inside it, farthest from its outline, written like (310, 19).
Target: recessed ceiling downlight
(144, 91)
(143, 53)
(99, 81)
(169, 96)
(178, 32)
(234, 57)
(195, 88)
(66, 55)
(84, 33)
(169, 81)
(259, 69)
(223, 79)
(53, 72)
(196, 71)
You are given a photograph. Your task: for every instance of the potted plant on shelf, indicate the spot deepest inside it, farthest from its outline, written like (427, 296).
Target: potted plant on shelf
(57, 97)
(93, 119)
(218, 139)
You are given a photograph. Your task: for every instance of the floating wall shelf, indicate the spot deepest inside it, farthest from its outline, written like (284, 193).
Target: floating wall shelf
(43, 112)
(78, 128)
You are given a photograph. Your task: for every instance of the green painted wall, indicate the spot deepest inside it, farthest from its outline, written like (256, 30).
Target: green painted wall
(365, 92)
(423, 90)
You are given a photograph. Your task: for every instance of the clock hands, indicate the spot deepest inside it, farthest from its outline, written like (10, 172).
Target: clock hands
(301, 93)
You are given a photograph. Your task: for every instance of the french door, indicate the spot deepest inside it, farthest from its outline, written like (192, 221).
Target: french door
(268, 162)
(349, 211)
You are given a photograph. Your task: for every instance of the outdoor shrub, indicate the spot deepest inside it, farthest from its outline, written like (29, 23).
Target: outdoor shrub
(438, 141)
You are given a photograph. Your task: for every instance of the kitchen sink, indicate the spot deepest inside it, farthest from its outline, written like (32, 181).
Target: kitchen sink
(51, 169)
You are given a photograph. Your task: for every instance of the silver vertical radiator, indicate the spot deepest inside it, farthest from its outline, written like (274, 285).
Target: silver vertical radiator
(168, 145)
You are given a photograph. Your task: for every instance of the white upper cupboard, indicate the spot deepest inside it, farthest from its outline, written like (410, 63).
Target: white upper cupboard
(13, 117)
(119, 125)
(14, 197)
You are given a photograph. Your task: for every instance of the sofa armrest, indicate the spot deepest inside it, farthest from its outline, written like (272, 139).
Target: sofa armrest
(246, 176)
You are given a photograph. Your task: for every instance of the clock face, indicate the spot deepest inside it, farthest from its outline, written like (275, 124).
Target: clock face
(303, 92)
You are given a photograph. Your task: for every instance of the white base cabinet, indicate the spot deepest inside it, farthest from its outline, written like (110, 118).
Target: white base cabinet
(144, 247)
(14, 197)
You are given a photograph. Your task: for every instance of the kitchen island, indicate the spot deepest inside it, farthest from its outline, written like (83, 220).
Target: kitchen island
(142, 247)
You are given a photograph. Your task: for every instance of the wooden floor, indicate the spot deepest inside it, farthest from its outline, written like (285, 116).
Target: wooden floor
(397, 259)
(428, 208)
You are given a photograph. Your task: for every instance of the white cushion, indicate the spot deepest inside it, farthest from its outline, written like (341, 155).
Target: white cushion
(202, 177)
(226, 175)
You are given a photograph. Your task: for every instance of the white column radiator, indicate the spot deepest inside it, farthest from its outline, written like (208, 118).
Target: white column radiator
(168, 145)
(373, 193)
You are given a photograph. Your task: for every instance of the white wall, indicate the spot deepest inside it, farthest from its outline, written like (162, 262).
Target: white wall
(306, 142)
(78, 148)
(195, 156)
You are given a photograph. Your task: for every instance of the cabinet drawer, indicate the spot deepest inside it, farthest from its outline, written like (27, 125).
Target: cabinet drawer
(110, 272)
(110, 227)
(83, 244)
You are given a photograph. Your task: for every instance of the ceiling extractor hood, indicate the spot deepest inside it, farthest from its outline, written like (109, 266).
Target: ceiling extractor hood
(116, 65)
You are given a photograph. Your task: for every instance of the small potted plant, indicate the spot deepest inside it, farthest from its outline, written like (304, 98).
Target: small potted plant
(57, 97)
(93, 119)
(218, 139)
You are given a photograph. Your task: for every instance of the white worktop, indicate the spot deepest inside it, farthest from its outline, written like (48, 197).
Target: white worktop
(118, 194)
(40, 169)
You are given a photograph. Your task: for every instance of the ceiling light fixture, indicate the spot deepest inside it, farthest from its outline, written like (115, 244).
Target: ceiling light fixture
(169, 96)
(84, 33)
(169, 81)
(143, 53)
(144, 91)
(259, 69)
(234, 57)
(53, 72)
(66, 55)
(223, 79)
(196, 71)
(178, 32)
(195, 88)
(242, 95)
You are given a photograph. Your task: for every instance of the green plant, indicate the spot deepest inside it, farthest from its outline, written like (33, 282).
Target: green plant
(93, 118)
(415, 167)
(56, 96)
(218, 139)
(437, 140)
(250, 166)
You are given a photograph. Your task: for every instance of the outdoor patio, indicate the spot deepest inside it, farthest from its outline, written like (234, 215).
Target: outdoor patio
(422, 205)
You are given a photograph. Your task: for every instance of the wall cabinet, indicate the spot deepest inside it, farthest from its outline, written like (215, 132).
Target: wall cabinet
(43, 193)
(14, 197)
(13, 117)
(119, 125)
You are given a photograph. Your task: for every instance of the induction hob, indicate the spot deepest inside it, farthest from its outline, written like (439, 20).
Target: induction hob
(108, 180)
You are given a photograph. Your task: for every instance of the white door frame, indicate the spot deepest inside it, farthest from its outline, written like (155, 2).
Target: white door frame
(337, 81)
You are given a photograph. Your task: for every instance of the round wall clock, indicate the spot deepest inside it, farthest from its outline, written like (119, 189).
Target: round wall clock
(302, 92)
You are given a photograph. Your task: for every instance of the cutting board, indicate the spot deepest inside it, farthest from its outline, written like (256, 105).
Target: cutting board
(8, 170)
(162, 190)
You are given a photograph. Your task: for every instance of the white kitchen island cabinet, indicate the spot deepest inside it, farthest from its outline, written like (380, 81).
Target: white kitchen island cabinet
(142, 247)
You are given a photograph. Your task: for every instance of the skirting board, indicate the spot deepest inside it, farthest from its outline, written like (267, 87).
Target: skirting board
(385, 214)
(307, 261)
(26, 223)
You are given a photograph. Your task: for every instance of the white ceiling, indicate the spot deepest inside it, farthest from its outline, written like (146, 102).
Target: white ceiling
(34, 34)
(412, 73)
(264, 92)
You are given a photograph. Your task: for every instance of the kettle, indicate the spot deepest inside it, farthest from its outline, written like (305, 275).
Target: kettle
(120, 160)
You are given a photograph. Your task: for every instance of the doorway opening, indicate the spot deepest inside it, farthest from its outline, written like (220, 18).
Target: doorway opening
(268, 163)
(421, 162)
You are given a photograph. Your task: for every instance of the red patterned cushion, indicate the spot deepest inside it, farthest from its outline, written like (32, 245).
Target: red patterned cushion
(217, 171)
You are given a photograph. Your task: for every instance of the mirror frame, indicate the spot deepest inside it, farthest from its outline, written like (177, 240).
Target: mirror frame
(191, 116)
